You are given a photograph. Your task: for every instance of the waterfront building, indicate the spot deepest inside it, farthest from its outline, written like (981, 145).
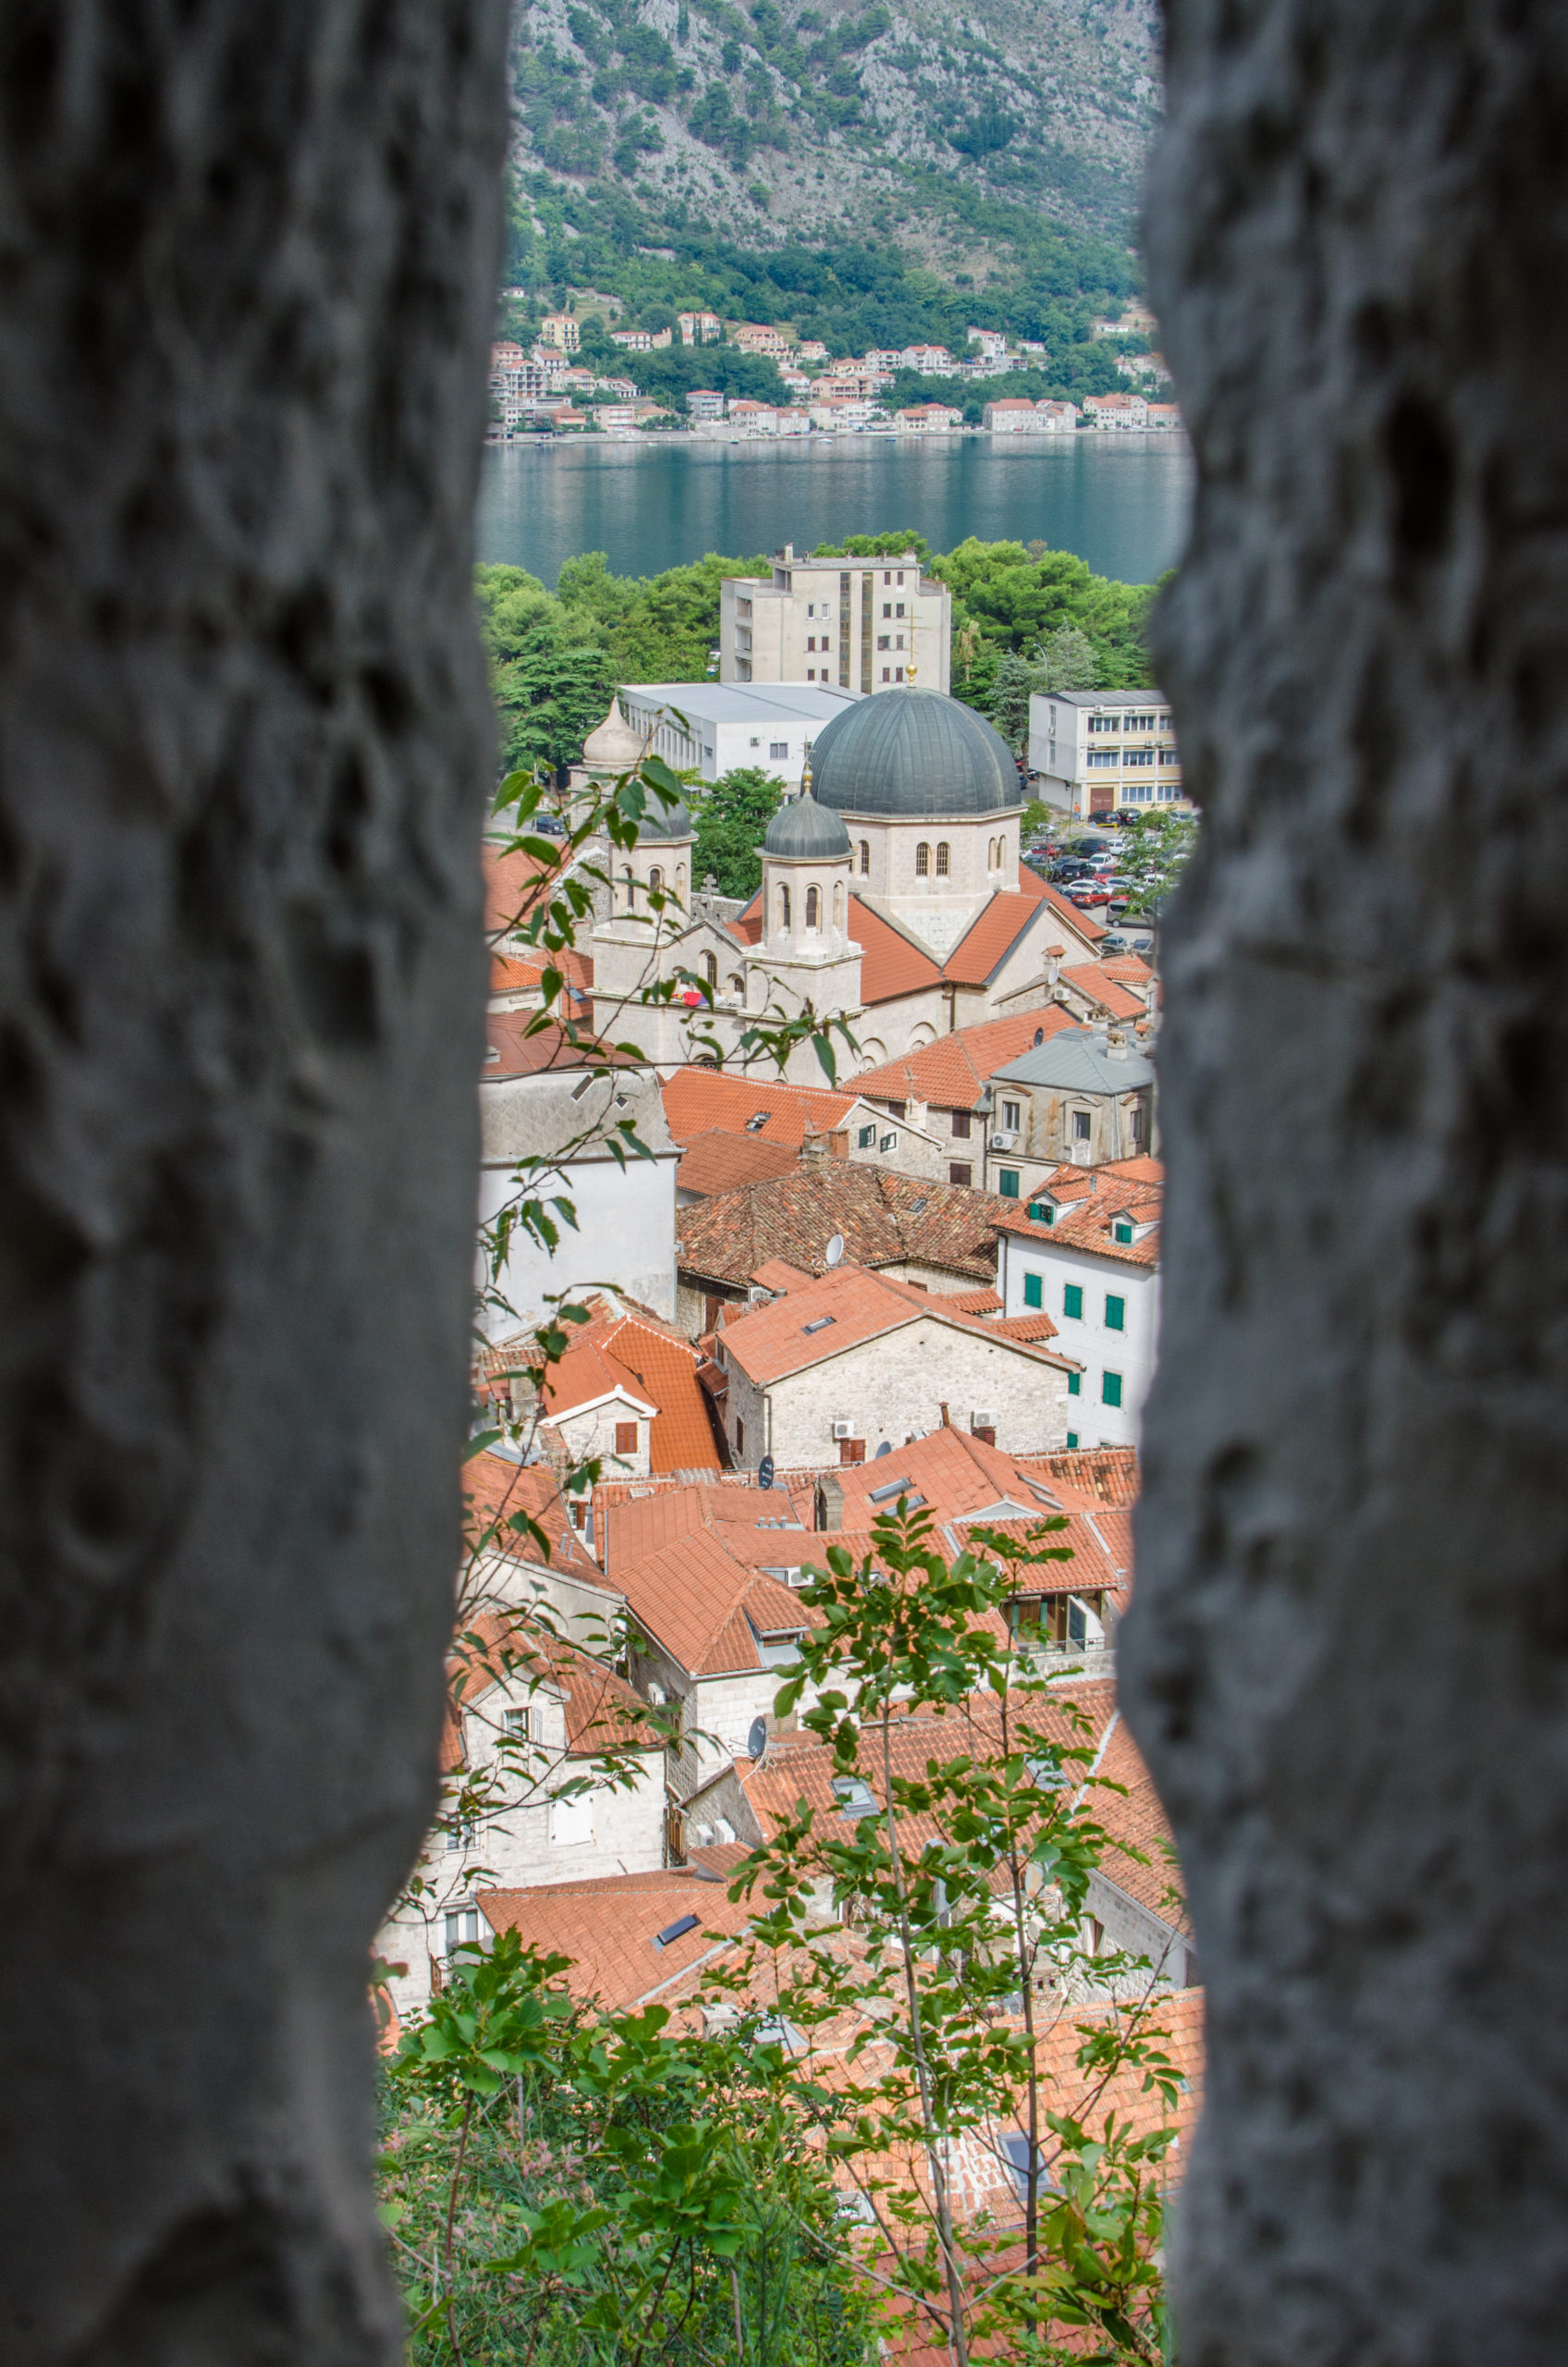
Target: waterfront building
(1093, 751)
(705, 403)
(928, 419)
(1116, 411)
(862, 624)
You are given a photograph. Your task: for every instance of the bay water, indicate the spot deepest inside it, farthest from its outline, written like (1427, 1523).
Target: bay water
(1120, 501)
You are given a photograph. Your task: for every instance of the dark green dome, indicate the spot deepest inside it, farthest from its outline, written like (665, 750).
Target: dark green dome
(803, 831)
(917, 754)
(663, 821)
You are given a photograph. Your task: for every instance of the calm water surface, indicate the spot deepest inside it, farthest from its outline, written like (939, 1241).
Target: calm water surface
(1120, 501)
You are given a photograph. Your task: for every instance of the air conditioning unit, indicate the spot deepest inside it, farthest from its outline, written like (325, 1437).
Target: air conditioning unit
(1003, 1142)
(843, 1430)
(983, 1421)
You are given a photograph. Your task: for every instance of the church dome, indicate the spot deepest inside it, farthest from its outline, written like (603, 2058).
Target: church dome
(663, 821)
(612, 746)
(915, 753)
(803, 831)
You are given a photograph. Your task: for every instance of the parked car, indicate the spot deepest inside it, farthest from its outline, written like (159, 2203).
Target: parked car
(1072, 867)
(1112, 948)
(1085, 895)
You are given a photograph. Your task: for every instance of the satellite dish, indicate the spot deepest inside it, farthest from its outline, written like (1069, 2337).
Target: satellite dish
(764, 1472)
(757, 1741)
(834, 1250)
(1039, 1034)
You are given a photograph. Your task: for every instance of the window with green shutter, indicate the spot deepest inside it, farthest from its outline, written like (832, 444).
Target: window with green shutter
(1072, 1301)
(1033, 1291)
(1111, 1389)
(1007, 1183)
(1071, 1438)
(1041, 1212)
(865, 1138)
(1075, 1384)
(1116, 1315)
(1121, 1231)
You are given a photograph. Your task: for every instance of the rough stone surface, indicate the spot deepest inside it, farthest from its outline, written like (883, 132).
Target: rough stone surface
(246, 263)
(1349, 1661)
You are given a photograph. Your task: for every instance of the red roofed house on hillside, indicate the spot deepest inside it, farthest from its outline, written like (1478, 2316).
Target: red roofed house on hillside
(528, 1717)
(1085, 1251)
(857, 1364)
(626, 1391)
(938, 1235)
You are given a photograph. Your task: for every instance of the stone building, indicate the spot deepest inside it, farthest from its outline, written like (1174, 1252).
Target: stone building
(864, 624)
(1085, 1251)
(1084, 1096)
(855, 1365)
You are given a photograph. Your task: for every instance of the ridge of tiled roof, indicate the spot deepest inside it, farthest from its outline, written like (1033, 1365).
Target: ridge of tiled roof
(653, 1362)
(496, 1490)
(705, 1606)
(992, 935)
(844, 1308)
(1090, 931)
(883, 1219)
(603, 1713)
(952, 1071)
(1107, 1473)
(891, 964)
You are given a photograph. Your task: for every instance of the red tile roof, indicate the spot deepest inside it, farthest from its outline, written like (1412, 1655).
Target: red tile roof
(703, 1101)
(890, 964)
(512, 886)
(1089, 931)
(1111, 995)
(518, 1052)
(952, 1071)
(883, 1219)
(1140, 1859)
(705, 1605)
(718, 1161)
(1131, 1187)
(497, 1491)
(602, 1711)
(961, 1480)
(992, 935)
(609, 1928)
(653, 1365)
(841, 1310)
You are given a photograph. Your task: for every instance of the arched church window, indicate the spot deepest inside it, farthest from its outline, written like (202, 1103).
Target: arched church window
(813, 909)
(921, 860)
(680, 881)
(864, 858)
(943, 864)
(990, 855)
(655, 881)
(1001, 855)
(784, 909)
(839, 904)
(710, 970)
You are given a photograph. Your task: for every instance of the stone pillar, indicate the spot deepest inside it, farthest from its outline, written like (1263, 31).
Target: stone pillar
(250, 256)
(1348, 1662)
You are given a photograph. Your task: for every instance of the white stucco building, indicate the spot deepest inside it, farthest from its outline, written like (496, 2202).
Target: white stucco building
(1085, 1251)
(717, 728)
(1093, 751)
(861, 624)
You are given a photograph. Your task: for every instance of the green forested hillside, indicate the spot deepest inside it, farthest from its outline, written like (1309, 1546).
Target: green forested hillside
(872, 174)
(556, 656)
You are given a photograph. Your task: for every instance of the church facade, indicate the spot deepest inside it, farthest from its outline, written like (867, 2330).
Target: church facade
(892, 897)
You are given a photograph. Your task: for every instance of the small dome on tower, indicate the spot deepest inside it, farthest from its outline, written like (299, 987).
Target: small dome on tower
(612, 746)
(804, 831)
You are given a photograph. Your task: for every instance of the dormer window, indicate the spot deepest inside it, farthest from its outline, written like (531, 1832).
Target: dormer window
(855, 1796)
(1121, 1230)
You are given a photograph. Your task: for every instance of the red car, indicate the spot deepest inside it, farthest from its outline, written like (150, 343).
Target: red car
(1086, 892)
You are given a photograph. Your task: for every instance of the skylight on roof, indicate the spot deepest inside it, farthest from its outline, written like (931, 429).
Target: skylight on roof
(755, 1123)
(676, 1931)
(855, 1796)
(918, 1208)
(893, 1488)
(820, 1323)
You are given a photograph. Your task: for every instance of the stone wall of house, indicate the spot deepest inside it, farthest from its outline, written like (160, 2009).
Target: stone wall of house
(894, 1388)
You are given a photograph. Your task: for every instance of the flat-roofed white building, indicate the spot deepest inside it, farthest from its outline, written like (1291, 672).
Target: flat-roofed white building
(717, 728)
(1092, 751)
(861, 624)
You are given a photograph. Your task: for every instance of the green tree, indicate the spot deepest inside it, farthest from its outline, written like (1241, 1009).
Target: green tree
(1155, 852)
(1066, 660)
(551, 674)
(1012, 687)
(729, 821)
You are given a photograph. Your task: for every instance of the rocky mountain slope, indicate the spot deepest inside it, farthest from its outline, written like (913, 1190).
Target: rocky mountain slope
(783, 122)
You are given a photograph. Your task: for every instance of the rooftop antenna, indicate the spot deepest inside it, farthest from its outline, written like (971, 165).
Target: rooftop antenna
(834, 1250)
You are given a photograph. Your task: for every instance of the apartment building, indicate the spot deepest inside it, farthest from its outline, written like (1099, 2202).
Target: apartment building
(860, 624)
(1092, 751)
(717, 728)
(560, 330)
(700, 328)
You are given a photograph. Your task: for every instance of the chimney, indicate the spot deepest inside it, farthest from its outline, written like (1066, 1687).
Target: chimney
(814, 1147)
(1116, 1043)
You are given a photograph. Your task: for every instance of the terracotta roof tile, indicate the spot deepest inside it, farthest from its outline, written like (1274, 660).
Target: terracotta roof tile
(841, 1311)
(1089, 931)
(601, 1711)
(496, 1491)
(952, 1071)
(992, 935)
(1112, 994)
(608, 1929)
(703, 1101)
(704, 1605)
(884, 1219)
(1133, 1187)
(652, 1363)
(889, 964)
(718, 1161)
